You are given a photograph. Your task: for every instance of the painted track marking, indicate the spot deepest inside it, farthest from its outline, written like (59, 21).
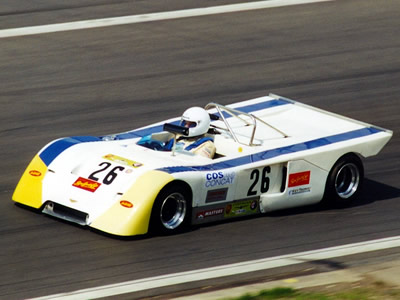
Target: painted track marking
(226, 270)
(151, 17)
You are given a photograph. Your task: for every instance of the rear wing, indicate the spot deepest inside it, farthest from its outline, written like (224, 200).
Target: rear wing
(330, 113)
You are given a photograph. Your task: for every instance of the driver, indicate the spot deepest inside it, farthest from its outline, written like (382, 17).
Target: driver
(197, 141)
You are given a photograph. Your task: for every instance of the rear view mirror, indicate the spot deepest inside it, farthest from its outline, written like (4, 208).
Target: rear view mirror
(176, 129)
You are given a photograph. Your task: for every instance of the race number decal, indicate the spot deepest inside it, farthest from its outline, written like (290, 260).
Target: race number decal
(110, 176)
(256, 177)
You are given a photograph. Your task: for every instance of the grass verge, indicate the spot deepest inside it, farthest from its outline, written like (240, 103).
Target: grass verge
(375, 292)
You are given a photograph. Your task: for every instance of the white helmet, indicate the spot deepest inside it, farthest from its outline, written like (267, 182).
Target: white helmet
(197, 120)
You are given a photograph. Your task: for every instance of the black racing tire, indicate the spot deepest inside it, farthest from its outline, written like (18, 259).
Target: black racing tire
(171, 211)
(344, 181)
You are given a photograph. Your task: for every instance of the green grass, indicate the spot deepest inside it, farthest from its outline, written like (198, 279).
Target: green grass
(277, 293)
(375, 292)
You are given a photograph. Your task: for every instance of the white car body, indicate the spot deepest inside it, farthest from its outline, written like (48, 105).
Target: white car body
(110, 183)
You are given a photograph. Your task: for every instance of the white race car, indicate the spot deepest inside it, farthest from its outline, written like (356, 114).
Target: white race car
(271, 153)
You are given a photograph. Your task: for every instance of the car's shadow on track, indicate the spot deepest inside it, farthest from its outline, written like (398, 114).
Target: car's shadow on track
(372, 191)
(375, 191)
(83, 228)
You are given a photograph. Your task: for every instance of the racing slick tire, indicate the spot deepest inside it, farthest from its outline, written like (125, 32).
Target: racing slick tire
(344, 181)
(171, 210)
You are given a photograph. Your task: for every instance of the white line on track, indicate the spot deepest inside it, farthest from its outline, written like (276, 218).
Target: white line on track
(227, 270)
(195, 12)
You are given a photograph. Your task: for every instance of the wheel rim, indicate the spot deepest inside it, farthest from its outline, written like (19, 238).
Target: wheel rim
(173, 210)
(347, 180)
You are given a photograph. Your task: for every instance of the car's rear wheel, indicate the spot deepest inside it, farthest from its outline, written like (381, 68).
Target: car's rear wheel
(171, 210)
(344, 181)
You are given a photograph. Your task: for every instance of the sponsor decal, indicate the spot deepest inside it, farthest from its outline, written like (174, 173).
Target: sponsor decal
(297, 179)
(86, 184)
(123, 161)
(297, 191)
(35, 173)
(219, 178)
(210, 213)
(241, 208)
(216, 195)
(126, 204)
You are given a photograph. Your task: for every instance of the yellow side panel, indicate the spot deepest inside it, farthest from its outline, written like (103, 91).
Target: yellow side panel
(120, 220)
(29, 188)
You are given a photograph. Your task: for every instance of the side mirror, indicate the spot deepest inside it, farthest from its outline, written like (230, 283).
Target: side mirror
(176, 129)
(214, 117)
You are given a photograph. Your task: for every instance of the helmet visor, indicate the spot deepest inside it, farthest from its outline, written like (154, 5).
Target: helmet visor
(188, 124)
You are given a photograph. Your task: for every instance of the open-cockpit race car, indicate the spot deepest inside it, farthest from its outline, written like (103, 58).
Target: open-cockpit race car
(271, 153)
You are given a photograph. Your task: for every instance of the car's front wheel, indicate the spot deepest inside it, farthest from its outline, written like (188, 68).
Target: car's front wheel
(171, 211)
(344, 181)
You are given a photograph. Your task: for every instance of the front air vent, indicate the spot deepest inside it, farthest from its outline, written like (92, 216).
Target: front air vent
(65, 213)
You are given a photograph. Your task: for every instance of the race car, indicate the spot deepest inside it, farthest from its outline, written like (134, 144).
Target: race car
(272, 153)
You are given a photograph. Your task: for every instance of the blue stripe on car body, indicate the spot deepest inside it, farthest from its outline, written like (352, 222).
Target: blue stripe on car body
(56, 148)
(264, 155)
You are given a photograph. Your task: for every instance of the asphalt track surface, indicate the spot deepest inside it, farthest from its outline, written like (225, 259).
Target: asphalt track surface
(341, 56)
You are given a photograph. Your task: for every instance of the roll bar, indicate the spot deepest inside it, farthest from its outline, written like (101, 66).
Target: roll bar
(223, 110)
